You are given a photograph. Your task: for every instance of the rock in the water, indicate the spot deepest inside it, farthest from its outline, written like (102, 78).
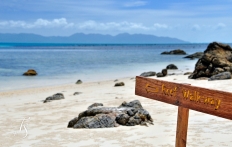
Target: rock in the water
(164, 72)
(128, 114)
(171, 66)
(217, 58)
(79, 82)
(30, 72)
(95, 105)
(148, 74)
(119, 84)
(174, 52)
(195, 55)
(57, 96)
(221, 76)
(159, 74)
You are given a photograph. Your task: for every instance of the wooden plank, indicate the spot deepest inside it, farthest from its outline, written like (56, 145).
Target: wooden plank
(204, 100)
(182, 127)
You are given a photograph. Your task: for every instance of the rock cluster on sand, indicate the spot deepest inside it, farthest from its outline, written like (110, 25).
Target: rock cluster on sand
(217, 59)
(174, 52)
(195, 55)
(127, 114)
(148, 74)
(30, 72)
(56, 96)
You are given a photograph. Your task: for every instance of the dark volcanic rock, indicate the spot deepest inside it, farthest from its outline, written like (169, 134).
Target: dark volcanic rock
(159, 74)
(76, 93)
(148, 74)
(97, 121)
(174, 52)
(119, 84)
(195, 55)
(122, 119)
(128, 114)
(79, 82)
(217, 58)
(171, 66)
(164, 72)
(57, 96)
(221, 76)
(202, 78)
(188, 73)
(134, 104)
(95, 105)
(30, 72)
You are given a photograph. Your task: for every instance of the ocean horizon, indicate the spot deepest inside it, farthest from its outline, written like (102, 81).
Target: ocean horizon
(58, 64)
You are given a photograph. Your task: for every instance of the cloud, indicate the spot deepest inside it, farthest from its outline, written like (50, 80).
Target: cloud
(39, 23)
(160, 26)
(135, 4)
(61, 22)
(111, 25)
(196, 27)
(220, 26)
(90, 25)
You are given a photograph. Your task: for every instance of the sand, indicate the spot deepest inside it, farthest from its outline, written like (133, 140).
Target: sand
(45, 124)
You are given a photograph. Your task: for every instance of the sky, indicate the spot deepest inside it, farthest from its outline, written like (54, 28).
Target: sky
(196, 21)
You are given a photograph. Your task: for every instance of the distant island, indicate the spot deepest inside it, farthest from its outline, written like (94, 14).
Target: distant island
(124, 38)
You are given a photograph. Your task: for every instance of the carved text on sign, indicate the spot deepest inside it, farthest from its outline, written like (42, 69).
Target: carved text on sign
(169, 91)
(151, 89)
(196, 97)
(193, 96)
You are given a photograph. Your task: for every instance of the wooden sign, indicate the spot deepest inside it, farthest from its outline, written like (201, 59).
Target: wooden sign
(187, 97)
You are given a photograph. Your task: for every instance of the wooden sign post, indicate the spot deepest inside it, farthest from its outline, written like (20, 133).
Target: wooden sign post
(186, 97)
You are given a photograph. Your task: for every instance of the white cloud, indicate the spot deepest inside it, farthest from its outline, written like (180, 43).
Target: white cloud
(85, 26)
(61, 22)
(16, 23)
(160, 26)
(196, 27)
(39, 23)
(220, 26)
(135, 4)
(111, 25)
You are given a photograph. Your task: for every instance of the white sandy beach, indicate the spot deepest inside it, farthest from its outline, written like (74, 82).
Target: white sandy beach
(46, 124)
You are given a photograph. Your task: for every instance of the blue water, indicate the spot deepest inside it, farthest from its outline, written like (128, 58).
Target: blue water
(66, 63)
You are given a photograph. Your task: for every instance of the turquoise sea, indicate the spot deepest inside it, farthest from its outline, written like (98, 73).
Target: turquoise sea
(66, 63)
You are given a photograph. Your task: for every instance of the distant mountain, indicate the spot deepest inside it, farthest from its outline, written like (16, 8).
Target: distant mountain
(124, 38)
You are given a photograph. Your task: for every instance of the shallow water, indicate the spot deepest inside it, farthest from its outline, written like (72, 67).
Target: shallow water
(66, 63)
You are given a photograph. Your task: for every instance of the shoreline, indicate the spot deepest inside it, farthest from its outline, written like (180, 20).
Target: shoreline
(69, 84)
(53, 87)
